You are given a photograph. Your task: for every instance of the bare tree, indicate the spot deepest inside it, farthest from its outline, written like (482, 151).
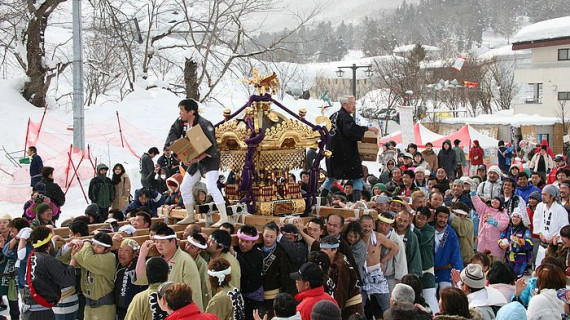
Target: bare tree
(23, 26)
(380, 105)
(112, 47)
(505, 89)
(562, 113)
(405, 79)
(218, 36)
(210, 33)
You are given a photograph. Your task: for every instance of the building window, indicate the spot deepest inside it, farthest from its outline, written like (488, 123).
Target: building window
(534, 93)
(564, 95)
(563, 54)
(544, 136)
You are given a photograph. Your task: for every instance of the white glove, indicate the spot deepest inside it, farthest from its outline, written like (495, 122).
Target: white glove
(128, 229)
(24, 233)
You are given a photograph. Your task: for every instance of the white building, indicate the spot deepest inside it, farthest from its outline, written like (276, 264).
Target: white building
(546, 80)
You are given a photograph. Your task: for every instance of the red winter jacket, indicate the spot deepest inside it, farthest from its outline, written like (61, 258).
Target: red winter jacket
(309, 298)
(548, 150)
(191, 312)
(552, 175)
(476, 154)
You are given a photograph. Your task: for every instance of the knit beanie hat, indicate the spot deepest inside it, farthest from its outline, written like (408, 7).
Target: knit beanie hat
(512, 311)
(325, 310)
(92, 210)
(551, 190)
(380, 186)
(473, 276)
(535, 195)
(517, 213)
(42, 208)
(496, 170)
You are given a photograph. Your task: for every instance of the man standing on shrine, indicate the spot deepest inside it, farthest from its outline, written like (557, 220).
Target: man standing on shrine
(345, 162)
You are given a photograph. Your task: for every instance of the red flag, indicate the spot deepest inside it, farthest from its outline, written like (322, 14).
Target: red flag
(469, 84)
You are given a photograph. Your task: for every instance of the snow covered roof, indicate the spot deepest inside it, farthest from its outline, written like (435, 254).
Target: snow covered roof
(433, 64)
(504, 52)
(544, 30)
(410, 47)
(506, 117)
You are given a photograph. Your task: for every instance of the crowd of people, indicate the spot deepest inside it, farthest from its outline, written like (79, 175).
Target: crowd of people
(453, 239)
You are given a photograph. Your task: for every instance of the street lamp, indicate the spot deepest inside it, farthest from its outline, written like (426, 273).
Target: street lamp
(354, 67)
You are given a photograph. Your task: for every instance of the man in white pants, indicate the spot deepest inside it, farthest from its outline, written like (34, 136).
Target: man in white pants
(549, 217)
(208, 162)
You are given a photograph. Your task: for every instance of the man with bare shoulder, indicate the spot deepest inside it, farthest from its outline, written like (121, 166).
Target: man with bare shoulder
(374, 285)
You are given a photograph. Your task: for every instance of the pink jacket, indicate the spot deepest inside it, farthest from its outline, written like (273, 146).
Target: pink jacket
(489, 235)
(31, 211)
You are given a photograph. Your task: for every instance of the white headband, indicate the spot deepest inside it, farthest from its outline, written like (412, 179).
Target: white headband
(157, 237)
(459, 211)
(101, 243)
(196, 243)
(221, 275)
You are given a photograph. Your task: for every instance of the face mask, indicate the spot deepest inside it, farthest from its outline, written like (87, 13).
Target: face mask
(163, 176)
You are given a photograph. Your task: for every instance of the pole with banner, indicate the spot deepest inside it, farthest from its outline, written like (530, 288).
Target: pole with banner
(407, 124)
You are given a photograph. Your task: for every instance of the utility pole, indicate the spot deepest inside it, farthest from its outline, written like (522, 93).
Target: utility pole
(78, 112)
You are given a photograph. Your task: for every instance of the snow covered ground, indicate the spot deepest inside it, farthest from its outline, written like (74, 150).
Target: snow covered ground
(151, 111)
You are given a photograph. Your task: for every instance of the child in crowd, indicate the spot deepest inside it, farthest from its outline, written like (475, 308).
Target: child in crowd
(516, 240)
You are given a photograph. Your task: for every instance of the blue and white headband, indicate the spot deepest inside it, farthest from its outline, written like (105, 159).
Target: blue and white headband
(329, 245)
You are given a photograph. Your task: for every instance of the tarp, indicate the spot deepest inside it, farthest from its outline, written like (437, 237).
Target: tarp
(467, 134)
(422, 135)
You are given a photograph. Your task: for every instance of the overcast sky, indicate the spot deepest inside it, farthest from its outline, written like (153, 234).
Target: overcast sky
(332, 10)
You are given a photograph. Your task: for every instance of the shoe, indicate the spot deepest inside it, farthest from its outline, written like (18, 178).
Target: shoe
(189, 216)
(223, 215)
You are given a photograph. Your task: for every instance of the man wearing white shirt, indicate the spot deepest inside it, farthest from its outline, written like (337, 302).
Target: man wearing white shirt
(548, 219)
(397, 266)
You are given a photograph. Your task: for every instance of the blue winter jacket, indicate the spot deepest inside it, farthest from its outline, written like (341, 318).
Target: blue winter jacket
(447, 256)
(156, 200)
(526, 191)
(36, 167)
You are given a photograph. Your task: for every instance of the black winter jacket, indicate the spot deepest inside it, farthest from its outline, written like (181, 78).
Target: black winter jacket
(49, 276)
(167, 163)
(447, 160)
(345, 162)
(52, 190)
(146, 165)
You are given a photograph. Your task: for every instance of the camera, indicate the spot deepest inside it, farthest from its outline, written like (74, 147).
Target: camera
(39, 198)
